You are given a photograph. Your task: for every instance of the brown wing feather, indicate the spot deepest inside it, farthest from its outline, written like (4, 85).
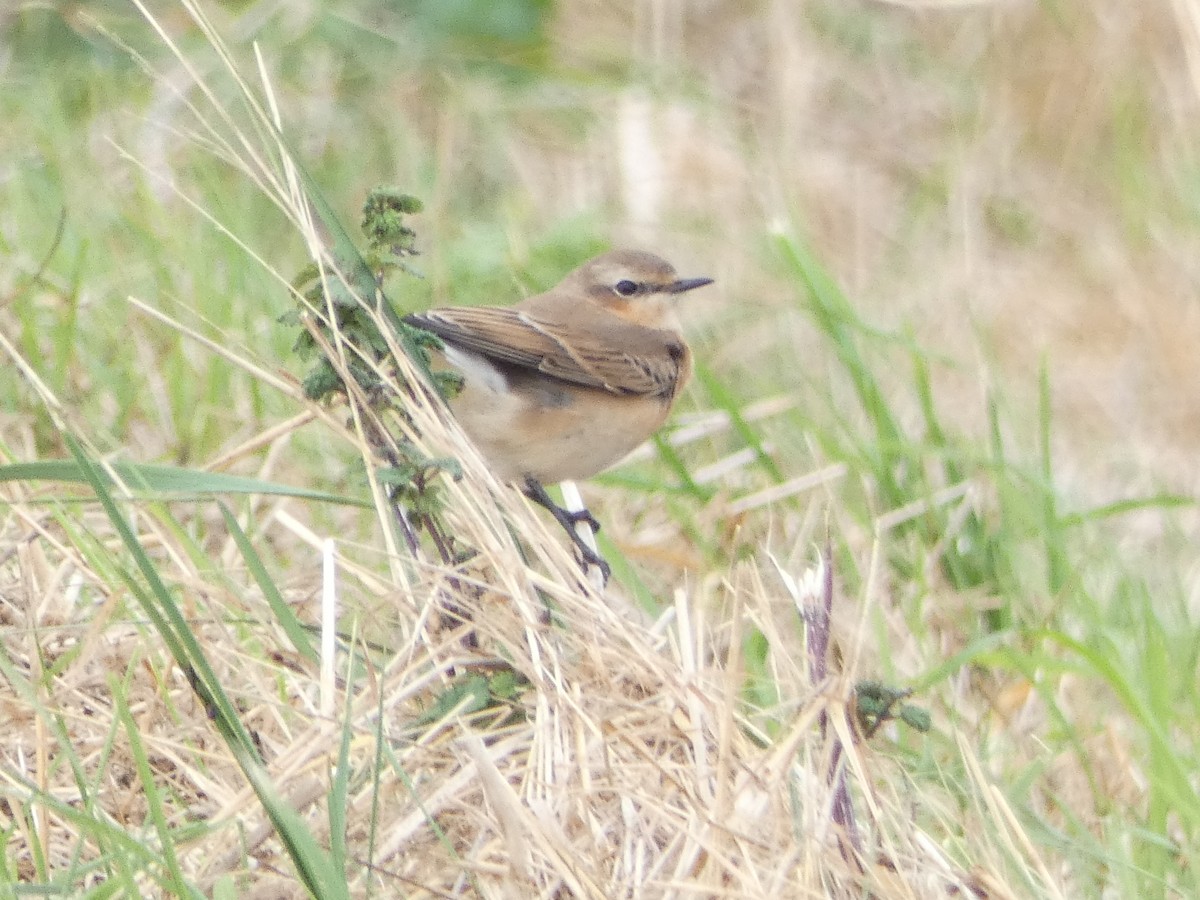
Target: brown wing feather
(648, 364)
(494, 332)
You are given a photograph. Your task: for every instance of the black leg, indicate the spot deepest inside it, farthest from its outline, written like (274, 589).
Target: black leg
(568, 520)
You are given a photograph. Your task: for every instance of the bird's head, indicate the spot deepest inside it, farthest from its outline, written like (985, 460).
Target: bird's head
(635, 285)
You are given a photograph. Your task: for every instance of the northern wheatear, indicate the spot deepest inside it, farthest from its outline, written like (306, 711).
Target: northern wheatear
(564, 384)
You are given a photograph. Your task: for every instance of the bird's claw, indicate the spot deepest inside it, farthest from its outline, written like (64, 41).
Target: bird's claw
(568, 519)
(585, 516)
(592, 558)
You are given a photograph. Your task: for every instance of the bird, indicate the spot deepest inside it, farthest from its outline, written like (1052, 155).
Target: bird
(564, 384)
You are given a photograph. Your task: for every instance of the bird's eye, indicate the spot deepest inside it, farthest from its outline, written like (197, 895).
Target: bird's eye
(626, 288)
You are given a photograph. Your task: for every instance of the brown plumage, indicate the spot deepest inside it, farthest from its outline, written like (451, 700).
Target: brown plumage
(564, 384)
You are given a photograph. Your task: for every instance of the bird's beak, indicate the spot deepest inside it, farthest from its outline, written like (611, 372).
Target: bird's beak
(686, 284)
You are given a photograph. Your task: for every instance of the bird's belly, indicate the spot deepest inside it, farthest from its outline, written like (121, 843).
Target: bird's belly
(527, 424)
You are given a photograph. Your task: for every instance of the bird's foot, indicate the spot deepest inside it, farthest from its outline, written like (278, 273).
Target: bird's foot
(582, 515)
(592, 558)
(568, 519)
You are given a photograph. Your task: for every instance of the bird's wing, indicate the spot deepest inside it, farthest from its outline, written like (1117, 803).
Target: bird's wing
(629, 359)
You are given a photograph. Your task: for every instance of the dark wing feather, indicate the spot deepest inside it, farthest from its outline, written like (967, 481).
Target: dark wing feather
(648, 362)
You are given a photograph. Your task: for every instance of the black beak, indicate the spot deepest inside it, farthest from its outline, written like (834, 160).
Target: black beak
(686, 284)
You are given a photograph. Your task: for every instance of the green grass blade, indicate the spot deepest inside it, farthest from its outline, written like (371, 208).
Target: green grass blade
(312, 862)
(1057, 565)
(176, 884)
(1173, 778)
(292, 626)
(725, 400)
(160, 606)
(165, 479)
(835, 318)
(679, 468)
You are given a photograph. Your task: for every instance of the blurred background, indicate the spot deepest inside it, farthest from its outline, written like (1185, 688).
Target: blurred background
(1013, 182)
(1010, 184)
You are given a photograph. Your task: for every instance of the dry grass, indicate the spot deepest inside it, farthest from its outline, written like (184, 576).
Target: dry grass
(629, 767)
(986, 191)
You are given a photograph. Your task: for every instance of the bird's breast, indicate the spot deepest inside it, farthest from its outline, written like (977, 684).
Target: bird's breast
(528, 424)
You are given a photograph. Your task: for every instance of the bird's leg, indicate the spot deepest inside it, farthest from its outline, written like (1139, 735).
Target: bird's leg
(568, 519)
(537, 493)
